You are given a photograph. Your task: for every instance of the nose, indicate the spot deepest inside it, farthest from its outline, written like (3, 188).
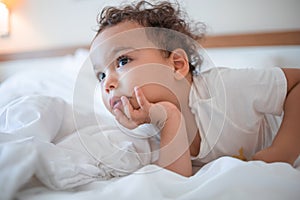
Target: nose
(111, 82)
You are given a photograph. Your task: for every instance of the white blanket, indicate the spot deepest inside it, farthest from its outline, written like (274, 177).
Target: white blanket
(33, 129)
(225, 178)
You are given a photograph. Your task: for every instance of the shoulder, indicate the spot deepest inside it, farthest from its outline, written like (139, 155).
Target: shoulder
(220, 78)
(293, 77)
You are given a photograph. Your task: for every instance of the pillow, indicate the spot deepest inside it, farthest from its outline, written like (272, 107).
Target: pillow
(70, 77)
(33, 116)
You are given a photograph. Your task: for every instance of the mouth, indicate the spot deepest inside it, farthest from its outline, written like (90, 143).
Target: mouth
(116, 103)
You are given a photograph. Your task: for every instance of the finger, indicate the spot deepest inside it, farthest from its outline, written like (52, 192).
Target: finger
(128, 109)
(123, 120)
(141, 99)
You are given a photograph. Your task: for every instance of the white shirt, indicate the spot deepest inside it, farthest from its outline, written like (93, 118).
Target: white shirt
(234, 110)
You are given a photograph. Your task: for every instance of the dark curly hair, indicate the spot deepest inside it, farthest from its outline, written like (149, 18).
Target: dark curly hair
(164, 16)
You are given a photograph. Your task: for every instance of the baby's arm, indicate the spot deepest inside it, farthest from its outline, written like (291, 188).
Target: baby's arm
(174, 147)
(286, 145)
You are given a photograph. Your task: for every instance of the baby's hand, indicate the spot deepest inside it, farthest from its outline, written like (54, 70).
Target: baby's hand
(174, 151)
(146, 113)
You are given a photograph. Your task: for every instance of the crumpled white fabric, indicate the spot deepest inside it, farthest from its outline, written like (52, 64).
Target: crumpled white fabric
(17, 163)
(38, 137)
(36, 116)
(224, 178)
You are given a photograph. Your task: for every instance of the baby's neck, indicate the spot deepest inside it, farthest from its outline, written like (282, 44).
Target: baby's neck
(191, 126)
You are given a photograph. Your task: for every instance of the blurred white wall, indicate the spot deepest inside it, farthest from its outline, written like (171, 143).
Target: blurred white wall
(246, 16)
(49, 24)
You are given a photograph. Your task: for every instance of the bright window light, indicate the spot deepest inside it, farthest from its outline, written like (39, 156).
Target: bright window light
(4, 20)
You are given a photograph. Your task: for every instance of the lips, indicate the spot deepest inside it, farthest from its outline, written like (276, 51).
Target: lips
(115, 102)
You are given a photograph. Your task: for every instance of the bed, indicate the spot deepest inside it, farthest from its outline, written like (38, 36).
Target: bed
(56, 142)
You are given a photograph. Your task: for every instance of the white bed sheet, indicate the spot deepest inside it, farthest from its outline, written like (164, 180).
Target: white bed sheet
(36, 149)
(225, 178)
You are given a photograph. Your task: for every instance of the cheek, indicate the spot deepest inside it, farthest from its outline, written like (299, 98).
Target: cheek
(154, 79)
(130, 79)
(157, 93)
(145, 75)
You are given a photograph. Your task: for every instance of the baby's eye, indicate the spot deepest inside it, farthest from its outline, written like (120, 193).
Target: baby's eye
(100, 76)
(123, 60)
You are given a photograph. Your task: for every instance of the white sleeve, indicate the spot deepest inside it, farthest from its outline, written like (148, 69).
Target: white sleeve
(261, 90)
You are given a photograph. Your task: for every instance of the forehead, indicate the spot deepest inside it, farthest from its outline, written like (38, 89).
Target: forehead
(124, 36)
(123, 30)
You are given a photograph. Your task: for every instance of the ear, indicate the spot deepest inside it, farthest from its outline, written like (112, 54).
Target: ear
(180, 62)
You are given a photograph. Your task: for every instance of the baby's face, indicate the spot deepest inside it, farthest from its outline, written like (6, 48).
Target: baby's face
(123, 57)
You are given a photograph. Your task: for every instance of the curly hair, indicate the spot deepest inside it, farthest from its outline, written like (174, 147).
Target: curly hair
(165, 16)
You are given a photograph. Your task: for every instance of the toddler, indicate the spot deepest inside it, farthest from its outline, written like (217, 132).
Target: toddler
(146, 58)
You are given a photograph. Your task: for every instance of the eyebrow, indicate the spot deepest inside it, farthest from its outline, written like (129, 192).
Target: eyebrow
(114, 54)
(120, 49)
